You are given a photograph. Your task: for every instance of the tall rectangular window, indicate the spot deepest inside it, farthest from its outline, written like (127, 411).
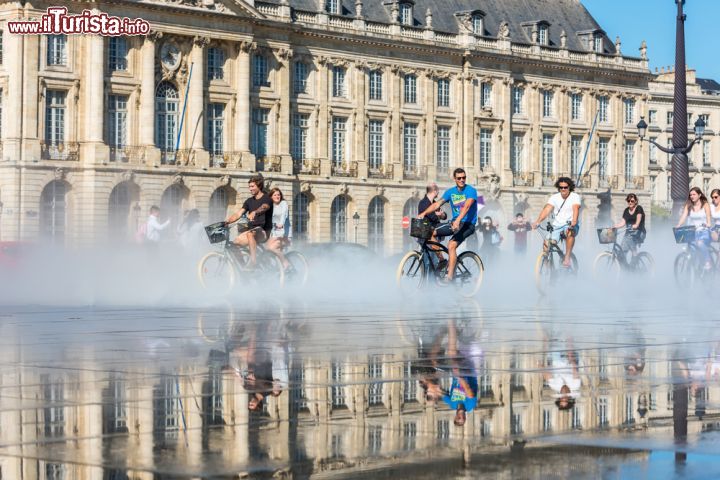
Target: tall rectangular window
(300, 77)
(477, 25)
(547, 420)
(299, 135)
(485, 148)
(333, 6)
(56, 50)
(652, 117)
(575, 151)
(406, 16)
(517, 100)
(576, 418)
(375, 160)
(215, 63)
(543, 35)
(376, 84)
(486, 95)
(669, 118)
(410, 147)
(602, 411)
(603, 157)
(338, 141)
(337, 393)
(338, 89)
(629, 112)
(516, 156)
(260, 71)
(117, 121)
(597, 44)
(706, 153)
(629, 160)
(443, 149)
(443, 92)
(117, 54)
(575, 106)
(604, 109)
(215, 128)
(548, 155)
(375, 371)
(548, 104)
(260, 132)
(410, 89)
(653, 150)
(55, 117)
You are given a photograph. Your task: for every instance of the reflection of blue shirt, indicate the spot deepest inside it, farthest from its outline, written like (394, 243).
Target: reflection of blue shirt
(457, 200)
(458, 395)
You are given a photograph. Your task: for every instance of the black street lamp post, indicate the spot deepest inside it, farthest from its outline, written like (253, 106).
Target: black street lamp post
(356, 222)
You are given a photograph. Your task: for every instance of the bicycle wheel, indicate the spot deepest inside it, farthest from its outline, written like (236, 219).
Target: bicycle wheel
(469, 273)
(271, 269)
(298, 275)
(544, 269)
(410, 273)
(606, 266)
(684, 269)
(216, 273)
(213, 326)
(644, 264)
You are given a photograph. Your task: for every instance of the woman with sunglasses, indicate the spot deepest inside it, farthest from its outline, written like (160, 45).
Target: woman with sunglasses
(715, 214)
(697, 213)
(634, 219)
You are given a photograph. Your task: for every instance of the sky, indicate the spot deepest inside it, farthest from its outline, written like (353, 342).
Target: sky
(654, 22)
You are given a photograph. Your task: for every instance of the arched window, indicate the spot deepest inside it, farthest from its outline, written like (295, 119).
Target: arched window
(220, 200)
(171, 204)
(376, 224)
(121, 198)
(53, 212)
(410, 209)
(167, 103)
(338, 217)
(301, 217)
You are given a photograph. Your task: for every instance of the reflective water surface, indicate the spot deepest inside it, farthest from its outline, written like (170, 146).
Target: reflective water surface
(299, 390)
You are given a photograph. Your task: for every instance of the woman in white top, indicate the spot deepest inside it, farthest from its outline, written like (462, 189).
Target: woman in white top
(280, 233)
(697, 214)
(715, 213)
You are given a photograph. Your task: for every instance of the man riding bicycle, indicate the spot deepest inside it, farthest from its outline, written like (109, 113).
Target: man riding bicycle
(259, 212)
(463, 202)
(565, 208)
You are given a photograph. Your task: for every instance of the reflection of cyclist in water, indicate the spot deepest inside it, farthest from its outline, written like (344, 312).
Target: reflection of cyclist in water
(561, 372)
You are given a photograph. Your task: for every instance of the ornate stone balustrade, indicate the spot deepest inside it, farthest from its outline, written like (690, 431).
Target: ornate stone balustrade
(69, 151)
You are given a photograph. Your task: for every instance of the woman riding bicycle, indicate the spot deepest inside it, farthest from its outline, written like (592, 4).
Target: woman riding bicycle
(715, 213)
(634, 219)
(697, 213)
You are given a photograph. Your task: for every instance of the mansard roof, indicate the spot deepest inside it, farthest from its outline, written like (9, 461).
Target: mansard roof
(562, 15)
(708, 85)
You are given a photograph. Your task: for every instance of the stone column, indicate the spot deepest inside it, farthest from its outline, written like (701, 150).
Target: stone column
(429, 151)
(283, 127)
(467, 138)
(147, 99)
(93, 89)
(241, 112)
(323, 119)
(395, 134)
(359, 76)
(195, 120)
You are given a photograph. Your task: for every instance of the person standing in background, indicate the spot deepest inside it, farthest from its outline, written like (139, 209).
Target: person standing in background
(521, 227)
(153, 227)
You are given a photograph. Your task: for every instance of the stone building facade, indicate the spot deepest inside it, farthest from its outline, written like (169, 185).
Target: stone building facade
(703, 100)
(347, 107)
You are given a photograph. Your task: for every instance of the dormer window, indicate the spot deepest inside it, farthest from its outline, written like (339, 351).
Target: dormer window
(477, 24)
(333, 7)
(543, 34)
(406, 13)
(597, 43)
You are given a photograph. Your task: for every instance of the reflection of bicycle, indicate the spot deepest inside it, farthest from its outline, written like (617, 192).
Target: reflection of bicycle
(218, 271)
(548, 266)
(612, 261)
(689, 266)
(419, 267)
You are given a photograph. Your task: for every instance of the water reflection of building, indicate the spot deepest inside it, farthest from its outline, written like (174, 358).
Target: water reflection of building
(338, 414)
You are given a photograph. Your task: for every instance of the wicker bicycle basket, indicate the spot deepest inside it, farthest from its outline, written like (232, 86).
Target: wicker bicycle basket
(421, 228)
(606, 235)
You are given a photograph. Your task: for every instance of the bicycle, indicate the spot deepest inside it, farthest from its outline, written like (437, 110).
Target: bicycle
(421, 266)
(549, 262)
(612, 261)
(689, 264)
(217, 271)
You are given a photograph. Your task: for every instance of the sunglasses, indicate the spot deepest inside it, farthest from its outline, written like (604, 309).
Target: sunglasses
(563, 188)
(631, 201)
(460, 178)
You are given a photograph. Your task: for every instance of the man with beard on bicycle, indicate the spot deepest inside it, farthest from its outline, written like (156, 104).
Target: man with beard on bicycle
(259, 213)
(463, 202)
(565, 209)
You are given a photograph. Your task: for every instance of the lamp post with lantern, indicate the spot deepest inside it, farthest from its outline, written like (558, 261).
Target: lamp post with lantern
(356, 222)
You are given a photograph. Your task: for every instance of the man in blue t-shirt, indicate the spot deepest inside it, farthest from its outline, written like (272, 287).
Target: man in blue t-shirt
(463, 202)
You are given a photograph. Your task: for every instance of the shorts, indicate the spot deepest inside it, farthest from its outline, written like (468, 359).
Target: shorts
(466, 229)
(559, 232)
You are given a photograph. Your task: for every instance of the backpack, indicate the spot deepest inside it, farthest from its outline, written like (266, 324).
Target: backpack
(141, 234)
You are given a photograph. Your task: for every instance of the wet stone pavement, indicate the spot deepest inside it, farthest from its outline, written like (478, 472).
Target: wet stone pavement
(295, 390)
